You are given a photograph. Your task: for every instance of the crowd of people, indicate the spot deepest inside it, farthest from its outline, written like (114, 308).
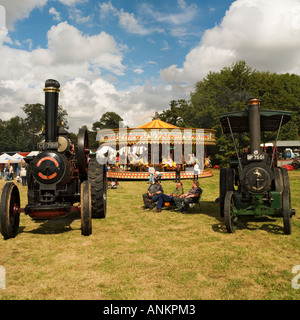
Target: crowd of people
(155, 196)
(9, 174)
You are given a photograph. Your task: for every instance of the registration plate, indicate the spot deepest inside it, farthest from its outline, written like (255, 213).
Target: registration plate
(255, 157)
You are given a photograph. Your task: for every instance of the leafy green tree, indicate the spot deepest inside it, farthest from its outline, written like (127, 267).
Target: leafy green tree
(109, 120)
(35, 121)
(176, 114)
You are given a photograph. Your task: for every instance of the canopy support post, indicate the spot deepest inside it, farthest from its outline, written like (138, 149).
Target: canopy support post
(275, 146)
(235, 147)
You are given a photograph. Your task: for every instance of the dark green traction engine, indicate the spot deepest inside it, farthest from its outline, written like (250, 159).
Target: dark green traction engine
(61, 178)
(253, 186)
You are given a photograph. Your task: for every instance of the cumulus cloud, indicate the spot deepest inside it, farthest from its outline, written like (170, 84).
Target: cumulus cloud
(85, 93)
(72, 2)
(264, 33)
(138, 71)
(18, 10)
(67, 45)
(55, 14)
(70, 54)
(128, 21)
(186, 13)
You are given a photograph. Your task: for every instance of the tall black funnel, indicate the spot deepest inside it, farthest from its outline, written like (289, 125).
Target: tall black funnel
(51, 109)
(254, 124)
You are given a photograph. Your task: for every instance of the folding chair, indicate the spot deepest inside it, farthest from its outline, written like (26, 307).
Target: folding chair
(196, 204)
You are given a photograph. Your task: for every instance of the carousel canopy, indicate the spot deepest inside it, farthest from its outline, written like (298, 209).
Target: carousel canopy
(157, 124)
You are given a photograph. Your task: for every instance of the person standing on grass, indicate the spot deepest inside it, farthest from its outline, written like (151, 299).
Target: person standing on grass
(6, 172)
(177, 173)
(151, 174)
(23, 174)
(196, 171)
(11, 172)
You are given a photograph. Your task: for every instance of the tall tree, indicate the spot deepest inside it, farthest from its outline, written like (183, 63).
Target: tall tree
(109, 120)
(176, 114)
(35, 121)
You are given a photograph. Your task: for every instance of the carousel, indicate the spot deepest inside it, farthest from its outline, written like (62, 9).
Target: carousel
(129, 153)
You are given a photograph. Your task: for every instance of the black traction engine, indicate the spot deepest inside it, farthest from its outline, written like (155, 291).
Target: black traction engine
(62, 177)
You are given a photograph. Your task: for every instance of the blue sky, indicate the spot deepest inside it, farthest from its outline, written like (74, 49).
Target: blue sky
(165, 30)
(134, 57)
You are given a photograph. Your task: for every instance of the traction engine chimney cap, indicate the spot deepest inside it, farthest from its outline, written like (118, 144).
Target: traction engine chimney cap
(254, 101)
(52, 86)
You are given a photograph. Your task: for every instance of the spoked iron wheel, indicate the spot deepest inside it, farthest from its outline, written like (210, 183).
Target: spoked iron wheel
(229, 217)
(86, 209)
(286, 212)
(226, 184)
(9, 210)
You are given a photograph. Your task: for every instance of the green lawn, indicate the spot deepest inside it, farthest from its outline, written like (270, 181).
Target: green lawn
(141, 254)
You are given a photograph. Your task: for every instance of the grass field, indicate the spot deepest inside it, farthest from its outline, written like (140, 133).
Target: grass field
(141, 254)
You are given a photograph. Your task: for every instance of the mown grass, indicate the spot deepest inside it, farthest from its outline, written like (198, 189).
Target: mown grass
(141, 254)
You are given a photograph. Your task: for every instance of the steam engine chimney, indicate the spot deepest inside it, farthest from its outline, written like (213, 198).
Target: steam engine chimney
(254, 125)
(51, 110)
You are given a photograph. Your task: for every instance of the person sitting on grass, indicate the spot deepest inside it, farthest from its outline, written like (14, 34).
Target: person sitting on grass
(164, 197)
(152, 191)
(182, 202)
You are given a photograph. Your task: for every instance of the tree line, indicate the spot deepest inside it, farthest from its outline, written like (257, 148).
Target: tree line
(223, 91)
(23, 134)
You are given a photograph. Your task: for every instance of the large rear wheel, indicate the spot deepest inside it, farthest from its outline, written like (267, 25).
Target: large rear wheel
(9, 210)
(222, 190)
(97, 179)
(229, 217)
(286, 212)
(86, 209)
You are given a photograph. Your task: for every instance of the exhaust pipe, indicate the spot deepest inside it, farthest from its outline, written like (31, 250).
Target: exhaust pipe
(254, 125)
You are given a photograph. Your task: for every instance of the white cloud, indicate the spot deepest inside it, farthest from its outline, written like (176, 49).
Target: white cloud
(264, 33)
(138, 71)
(68, 45)
(74, 58)
(70, 55)
(72, 2)
(18, 10)
(55, 14)
(107, 8)
(128, 21)
(76, 14)
(186, 13)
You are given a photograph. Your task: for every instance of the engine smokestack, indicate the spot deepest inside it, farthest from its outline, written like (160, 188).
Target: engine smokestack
(51, 109)
(254, 124)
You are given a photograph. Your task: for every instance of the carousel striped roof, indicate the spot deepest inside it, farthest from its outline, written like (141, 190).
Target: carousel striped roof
(157, 124)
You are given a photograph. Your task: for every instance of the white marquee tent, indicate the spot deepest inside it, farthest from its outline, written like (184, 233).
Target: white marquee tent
(6, 158)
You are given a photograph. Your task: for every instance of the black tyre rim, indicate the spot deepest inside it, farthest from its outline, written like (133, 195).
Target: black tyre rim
(229, 217)
(286, 212)
(86, 209)
(9, 210)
